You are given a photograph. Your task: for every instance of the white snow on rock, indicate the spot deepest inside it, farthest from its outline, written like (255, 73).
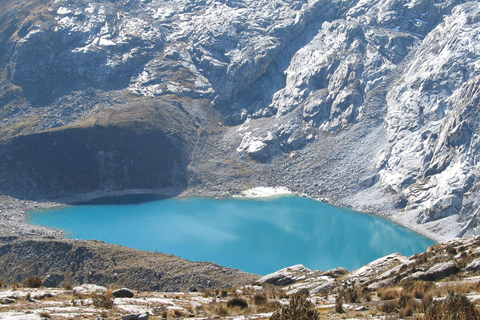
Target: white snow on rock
(262, 192)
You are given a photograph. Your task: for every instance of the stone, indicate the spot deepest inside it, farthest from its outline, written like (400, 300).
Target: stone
(473, 266)
(439, 271)
(123, 293)
(136, 316)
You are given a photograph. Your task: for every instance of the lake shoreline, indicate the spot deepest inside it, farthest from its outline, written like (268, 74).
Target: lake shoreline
(14, 222)
(231, 229)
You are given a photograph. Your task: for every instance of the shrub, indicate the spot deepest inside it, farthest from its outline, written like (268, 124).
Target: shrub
(68, 286)
(298, 309)
(102, 301)
(339, 305)
(349, 292)
(419, 288)
(33, 282)
(259, 299)
(456, 307)
(237, 302)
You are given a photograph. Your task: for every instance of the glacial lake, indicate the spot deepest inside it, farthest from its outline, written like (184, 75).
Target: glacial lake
(255, 235)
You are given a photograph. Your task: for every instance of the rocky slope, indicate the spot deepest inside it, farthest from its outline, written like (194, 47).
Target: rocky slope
(58, 262)
(369, 104)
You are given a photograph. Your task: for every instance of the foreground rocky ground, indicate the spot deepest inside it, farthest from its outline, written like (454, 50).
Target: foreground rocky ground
(392, 287)
(372, 104)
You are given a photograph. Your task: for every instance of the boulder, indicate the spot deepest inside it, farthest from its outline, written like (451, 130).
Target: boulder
(88, 289)
(335, 273)
(473, 266)
(439, 271)
(123, 293)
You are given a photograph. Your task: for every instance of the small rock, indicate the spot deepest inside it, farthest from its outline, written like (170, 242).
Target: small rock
(143, 316)
(123, 293)
(8, 301)
(136, 316)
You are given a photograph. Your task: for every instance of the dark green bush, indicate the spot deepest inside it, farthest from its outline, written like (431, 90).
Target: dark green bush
(298, 309)
(259, 299)
(456, 307)
(237, 302)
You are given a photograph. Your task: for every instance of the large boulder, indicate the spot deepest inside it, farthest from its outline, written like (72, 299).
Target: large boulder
(123, 293)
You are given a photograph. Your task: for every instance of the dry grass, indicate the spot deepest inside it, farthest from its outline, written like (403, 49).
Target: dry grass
(389, 293)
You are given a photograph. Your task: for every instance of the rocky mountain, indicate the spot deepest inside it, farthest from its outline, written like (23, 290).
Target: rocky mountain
(371, 104)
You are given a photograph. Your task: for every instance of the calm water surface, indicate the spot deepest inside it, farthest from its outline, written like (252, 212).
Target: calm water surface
(258, 236)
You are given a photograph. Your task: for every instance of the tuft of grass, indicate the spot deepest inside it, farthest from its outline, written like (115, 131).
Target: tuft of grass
(389, 293)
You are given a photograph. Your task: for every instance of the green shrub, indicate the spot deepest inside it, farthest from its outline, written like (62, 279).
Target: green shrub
(237, 302)
(298, 309)
(456, 307)
(33, 282)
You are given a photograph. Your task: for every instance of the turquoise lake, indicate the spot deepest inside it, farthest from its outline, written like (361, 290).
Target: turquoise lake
(255, 235)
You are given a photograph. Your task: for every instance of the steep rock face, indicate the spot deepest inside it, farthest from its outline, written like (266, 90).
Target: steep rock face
(371, 104)
(432, 121)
